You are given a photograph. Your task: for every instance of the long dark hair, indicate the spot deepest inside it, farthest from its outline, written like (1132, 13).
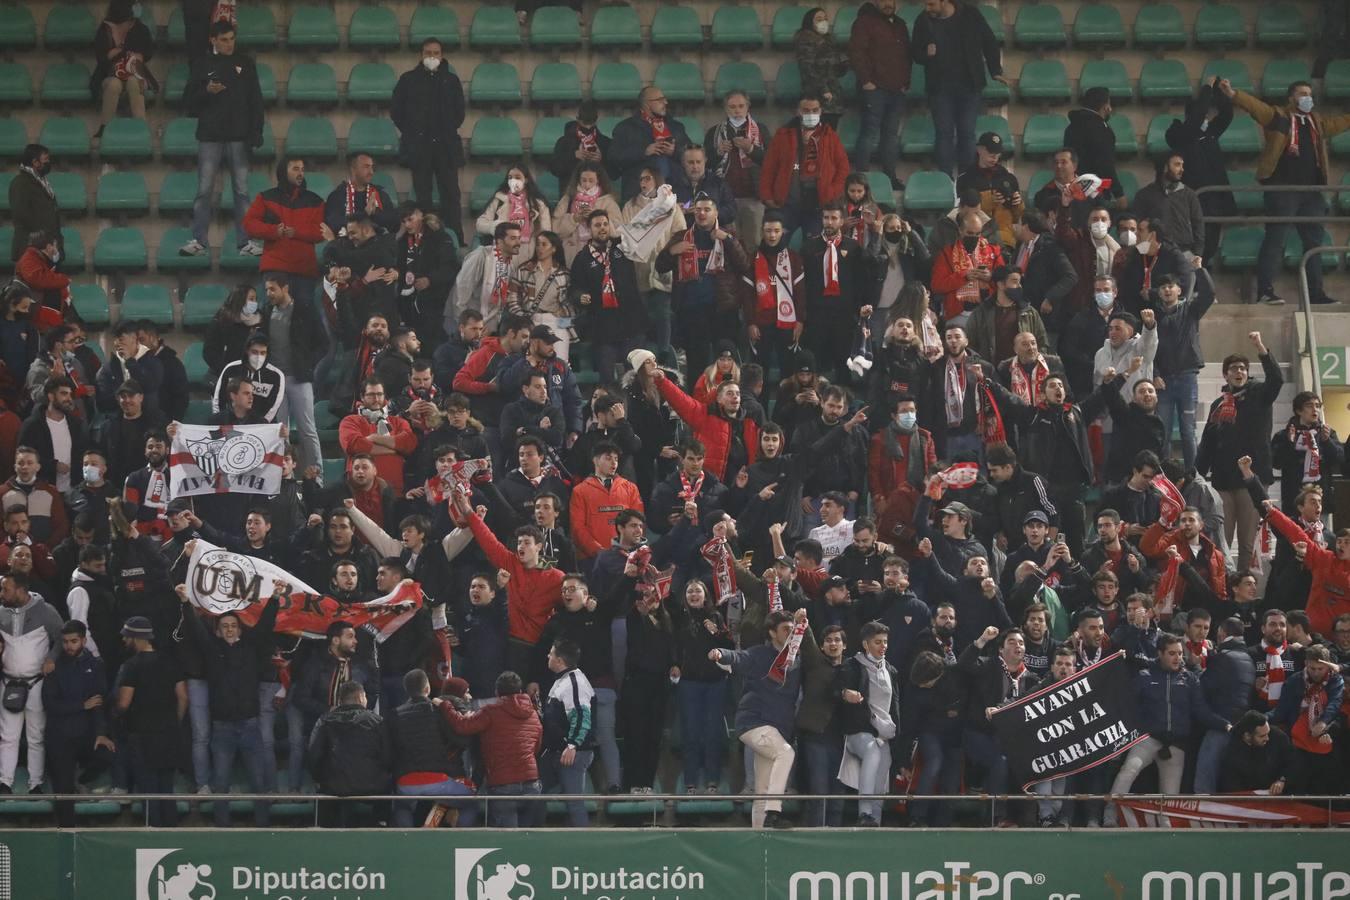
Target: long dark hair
(532, 192)
(606, 187)
(559, 259)
(233, 307)
(809, 20)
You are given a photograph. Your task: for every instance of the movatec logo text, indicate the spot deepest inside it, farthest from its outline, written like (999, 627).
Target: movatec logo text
(954, 881)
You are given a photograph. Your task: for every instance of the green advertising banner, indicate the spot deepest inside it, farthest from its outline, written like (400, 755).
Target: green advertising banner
(674, 865)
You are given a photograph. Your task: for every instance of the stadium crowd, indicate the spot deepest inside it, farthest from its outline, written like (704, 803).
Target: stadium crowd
(845, 497)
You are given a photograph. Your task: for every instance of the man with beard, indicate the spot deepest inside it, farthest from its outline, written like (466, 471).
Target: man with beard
(1187, 547)
(59, 360)
(123, 435)
(371, 493)
(451, 355)
(373, 286)
(90, 600)
(974, 595)
(770, 294)
(387, 439)
(956, 374)
(836, 280)
(427, 265)
(730, 437)
(799, 392)
(847, 467)
(1042, 649)
(1024, 373)
(359, 193)
(316, 566)
(559, 380)
(1290, 583)
(1170, 202)
(147, 489)
(1136, 428)
(484, 280)
(315, 691)
(394, 366)
(130, 359)
(288, 219)
(58, 435)
(1112, 553)
(860, 562)
(994, 680)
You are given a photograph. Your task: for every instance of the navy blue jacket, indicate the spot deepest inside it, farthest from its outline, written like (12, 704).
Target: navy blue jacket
(1228, 678)
(1170, 702)
(74, 680)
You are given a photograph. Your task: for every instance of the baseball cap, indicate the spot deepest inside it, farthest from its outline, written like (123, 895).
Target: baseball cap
(130, 386)
(956, 509)
(1036, 516)
(543, 333)
(993, 142)
(834, 581)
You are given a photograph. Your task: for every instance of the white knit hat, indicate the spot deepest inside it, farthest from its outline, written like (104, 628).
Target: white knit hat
(638, 358)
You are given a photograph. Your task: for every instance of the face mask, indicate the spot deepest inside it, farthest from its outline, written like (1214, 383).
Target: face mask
(893, 237)
(970, 242)
(44, 170)
(1204, 125)
(56, 257)
(821, 27)
(250, 308)
(256, 360)
(1305, 105)
(1105, 300)
(515, 185)
(1098, 229)
(1014, 294)
(1127, 238)
(907, 420)
(91, 473)
(1144, 247)
(432, 63)
(810, 120)
(738, 121)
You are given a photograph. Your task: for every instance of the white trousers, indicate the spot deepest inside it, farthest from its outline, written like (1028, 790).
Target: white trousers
(11, 729)
(773, 763)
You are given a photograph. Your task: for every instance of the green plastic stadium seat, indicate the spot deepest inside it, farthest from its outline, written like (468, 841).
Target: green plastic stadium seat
(434, 21)
(1340, 145)
(373, 28)
(557, 82)
(320, 183)
(16, 83)
(930, 191)
(848, 129)
(6, 178)
(1107, 73)
(787, 87)
(1247, 201)
(1127, 143)
(267, 82)
(194, 363)
(371, 82)
(122, 192)
(13, 137)
(549, 187)
(71, 196)
(179, 140)
(333, 470)
(18, 31)
(494, 26)
(119, 249)
(91, 302)
(547, 131)
(1280, 25)
(879, 183)
(616, 26)
(676, 26)
(495, 82)
(177, 36)
(737, 26)
(615, 82)
(374, 135)
(1293, 253)
(993, 16)
(260, 181)
(1220, 25)
(326, 423)
(1044, 134)
(177, 192)
(314, 27)
(1039, 25)
(1159, 26)
(384, 180)
(680, 80)
(555, 26)
(65, 136)
(1164, 79)
(312, 83)
(125, 139)
(1043, 79)
(1243, 137)
(787, 21)
(6, 240)
(72, 245)
(1239, 247)
(910, 13)
(1098, 25)
(175, 80)
(1235, 70)
(1155, 142)
(201, 302)
(1336, 83)
(231, 260)
(1279, 74)
(312, 136)
(68, 26)
(65, 83)
(257, 26)
(918, 136)
(843, 23)
(1128, 183)
(168, 260)
(739, 76)
(495, 137)
(999, 125)
(484, 186)
(148, 301)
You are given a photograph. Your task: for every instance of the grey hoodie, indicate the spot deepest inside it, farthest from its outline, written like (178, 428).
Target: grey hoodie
(32, 634)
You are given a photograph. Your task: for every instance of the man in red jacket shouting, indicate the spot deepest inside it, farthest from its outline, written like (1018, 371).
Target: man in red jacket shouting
(288, 219)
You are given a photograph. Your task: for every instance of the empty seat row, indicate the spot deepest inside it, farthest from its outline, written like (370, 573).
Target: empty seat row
(1158, 26)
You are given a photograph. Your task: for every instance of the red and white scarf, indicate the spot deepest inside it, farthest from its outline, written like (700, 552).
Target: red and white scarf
(588, 141)
(783, 663)
(372, 197)
(1029, 390)
(652, 583)
(719, 557)
(960, 476)
(1305, 439)
(225, 11)
(1165, 591)
(501, 276)
(773, 289)
(727, 132)
(1170, 501)
(660, 130)
(609, 297)
(855, 210)
(1199, 651)
(1226, 412)
(1013, 686)
(1314, 703)
(830, 264)
(689, 489)
(583, 202)
(1274, 673)
(518, 211)
(464, 473)
(689, 270)
(1296, 119)
(954, 392)
(775, 596)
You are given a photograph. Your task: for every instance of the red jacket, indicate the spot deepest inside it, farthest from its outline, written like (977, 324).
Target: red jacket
(775, 179)
(712, 428)
(593, 508)
(1329, 596)
(354, 433)
(298, 208)
(36, 270)
(531, 594)
(1154, 544)
(884, 474)
(511, 735)
(949, 273)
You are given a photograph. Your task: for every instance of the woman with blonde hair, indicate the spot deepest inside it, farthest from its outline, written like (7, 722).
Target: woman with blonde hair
(518, 200)
(723, 369)
(589, 188)
(539, 289)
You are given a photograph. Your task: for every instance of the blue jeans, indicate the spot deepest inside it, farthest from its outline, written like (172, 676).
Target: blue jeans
(971, 444)
(955, 110)
(299, 404)
(940, 760)
(296, 738)
(1208, 760)
(227, 740)
(983, 750)
(211, 155)
(1272, 246)
(882, 112)
(508, 813)
(571, 779)
(606, 732)
(822, 754)
(702, 731)
(1176, 403)
(199, 714)
(658, 324)
(468, 808)
(796, 216)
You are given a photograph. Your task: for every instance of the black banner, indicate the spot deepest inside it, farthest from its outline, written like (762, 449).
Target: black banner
(1070, 726)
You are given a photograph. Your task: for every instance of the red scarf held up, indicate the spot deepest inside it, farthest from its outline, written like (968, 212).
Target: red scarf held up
(1305, 439)
(1314, 704)
(831, 264)
(501, 276)
(588, 141)
(775, 597)
(1200, 650)
(1170, 502)
(1226, 412)
(689, 258)
(773, 292)
(1274, 673)
(718, 555)
(782, 664)
(1029, 391)
(609, 297)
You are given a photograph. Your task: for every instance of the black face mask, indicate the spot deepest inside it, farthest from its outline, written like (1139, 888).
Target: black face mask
(970, 242)
(893, 237)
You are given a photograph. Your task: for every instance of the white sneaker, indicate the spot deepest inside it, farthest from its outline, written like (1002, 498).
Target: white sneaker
(193, 247)
(251, 248)
(204, 789)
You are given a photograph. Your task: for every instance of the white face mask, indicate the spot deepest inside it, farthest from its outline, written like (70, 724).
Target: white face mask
(1127, 238)
(821, 27)
(251, 307)
(91, 473)
(432, 63)
(1105, 300)
(907, 420)
(1305, 105)
(1144, 247)
(257, 360)
(738, 121)
(56, 256)
(810, 120)
(515, 185)
(1098, 229)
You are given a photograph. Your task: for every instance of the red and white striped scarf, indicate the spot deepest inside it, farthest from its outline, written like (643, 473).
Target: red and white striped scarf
(1274, 673)
(1013, 686)
(609, 297)
(1226, 412)
(1296, 119)
(1170, 501)
(727, 132)
(689, 270)
(1029, 390)
(773, 289)
(775, 596)
(588, 141)
(1305, 439)
(519, 211)
(372, 196)
(954, 391)
(830, 265)
(783, 663)
(960, 475)
(660, 130)
(1200, 650)
(501, 276)
(718, 555)
(583, 202)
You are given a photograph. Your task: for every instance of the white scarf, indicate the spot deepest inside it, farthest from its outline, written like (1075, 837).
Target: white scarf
(955, 392)
(41, 179)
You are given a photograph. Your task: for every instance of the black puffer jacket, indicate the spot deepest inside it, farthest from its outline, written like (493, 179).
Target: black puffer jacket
(428, 109)
(234, 114)
(232, 670)
(421, 740)
(349, 752)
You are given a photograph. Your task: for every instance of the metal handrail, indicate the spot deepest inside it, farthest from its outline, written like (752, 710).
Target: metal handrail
(1305, 307)
(1270, 189)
